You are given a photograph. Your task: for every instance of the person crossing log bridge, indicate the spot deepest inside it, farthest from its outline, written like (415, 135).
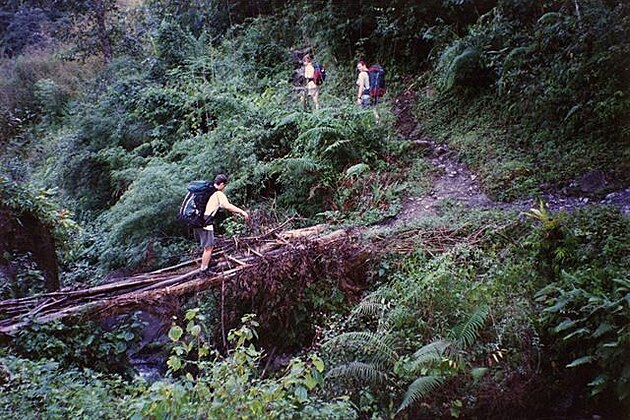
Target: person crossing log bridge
(144, 290)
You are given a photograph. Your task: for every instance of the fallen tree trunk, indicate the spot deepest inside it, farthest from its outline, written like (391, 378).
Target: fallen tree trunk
(148, 289)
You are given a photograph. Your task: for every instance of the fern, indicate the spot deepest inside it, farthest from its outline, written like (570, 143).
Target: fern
(293, 118)
(296, 165)
(466, 333)
(336, 145)
(368, 307)
(460, 65)
(511, 61)
(419, 389)
(431, 353)
(378, 348)
(551, 17)
(315, 135)
(356, 170)
(359, 371)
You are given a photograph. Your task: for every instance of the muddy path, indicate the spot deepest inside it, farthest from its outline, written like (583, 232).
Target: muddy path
(455, 182)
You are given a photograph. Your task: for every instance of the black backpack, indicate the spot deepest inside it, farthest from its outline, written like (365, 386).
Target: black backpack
(194, 204)
(377, 81)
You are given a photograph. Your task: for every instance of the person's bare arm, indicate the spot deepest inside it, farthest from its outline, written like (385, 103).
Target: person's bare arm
(231, 207)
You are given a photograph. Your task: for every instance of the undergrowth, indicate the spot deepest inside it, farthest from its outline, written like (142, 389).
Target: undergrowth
(471, 327)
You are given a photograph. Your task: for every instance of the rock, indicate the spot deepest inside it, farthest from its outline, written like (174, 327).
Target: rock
(594, 182)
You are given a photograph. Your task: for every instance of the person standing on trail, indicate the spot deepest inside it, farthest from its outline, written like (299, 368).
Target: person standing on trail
(363, 85)
(311, 89)
(217, 201)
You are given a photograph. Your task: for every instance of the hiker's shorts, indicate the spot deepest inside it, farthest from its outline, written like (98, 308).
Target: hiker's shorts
(366, 101)
(206, 238)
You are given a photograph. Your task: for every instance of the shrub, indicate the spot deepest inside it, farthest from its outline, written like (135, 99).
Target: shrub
(31, 389)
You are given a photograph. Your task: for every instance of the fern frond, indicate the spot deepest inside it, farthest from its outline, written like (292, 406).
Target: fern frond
(371, 305)
(467, 332)
(293, 118)
(336, 145)
(550, 17)
(429, 355)
(359, 371)
(312, 138)
(512, 55)
(419, 389)
(428, 351)
(377, 348)
(461, 63)
(356, 170)
(368, 308)
(299, 165)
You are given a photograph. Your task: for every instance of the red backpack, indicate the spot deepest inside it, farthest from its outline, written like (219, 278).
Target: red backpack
(319, 74)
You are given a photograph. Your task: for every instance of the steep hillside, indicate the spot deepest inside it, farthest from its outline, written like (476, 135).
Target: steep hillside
(490, 185)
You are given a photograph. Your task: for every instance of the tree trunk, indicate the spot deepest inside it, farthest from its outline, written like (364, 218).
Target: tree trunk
(100, 13)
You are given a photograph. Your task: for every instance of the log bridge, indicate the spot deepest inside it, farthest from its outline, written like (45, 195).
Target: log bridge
(234, 256)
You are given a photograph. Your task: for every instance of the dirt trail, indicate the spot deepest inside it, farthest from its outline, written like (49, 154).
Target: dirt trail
(454, 182)
(457, 183)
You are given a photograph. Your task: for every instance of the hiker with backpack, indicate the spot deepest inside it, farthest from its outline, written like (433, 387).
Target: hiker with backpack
(210, 198)
(370, 84)
(313, 79)
(363, 85)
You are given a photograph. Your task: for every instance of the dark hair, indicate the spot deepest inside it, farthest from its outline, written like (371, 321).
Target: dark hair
(220, 179)
(362, 63)
(308, 58)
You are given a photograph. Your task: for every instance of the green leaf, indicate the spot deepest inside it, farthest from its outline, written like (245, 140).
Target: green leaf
(364, 372)
(577, 332)
(467, 332)
(478, 373)
(358, 169)
(580, 361)
(419, 389)
(310, 382)
(567, 323)
(175, 333)
(602, 329)
(319, 364)
(203, 351)
(174, 362)
(195, 331)
(301, 393)
(429, 354)
(191, 314)
(557, 307)
(128, 336)
(550, 17)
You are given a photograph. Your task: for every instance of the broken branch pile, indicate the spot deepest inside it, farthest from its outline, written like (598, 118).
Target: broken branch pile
(236, 256)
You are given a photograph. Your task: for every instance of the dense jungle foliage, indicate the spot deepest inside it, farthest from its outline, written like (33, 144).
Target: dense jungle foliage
(109, 108)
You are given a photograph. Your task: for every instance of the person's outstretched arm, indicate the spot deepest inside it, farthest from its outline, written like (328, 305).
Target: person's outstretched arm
(231, 207)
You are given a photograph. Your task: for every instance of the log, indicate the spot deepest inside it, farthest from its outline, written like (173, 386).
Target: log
(148, 289)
